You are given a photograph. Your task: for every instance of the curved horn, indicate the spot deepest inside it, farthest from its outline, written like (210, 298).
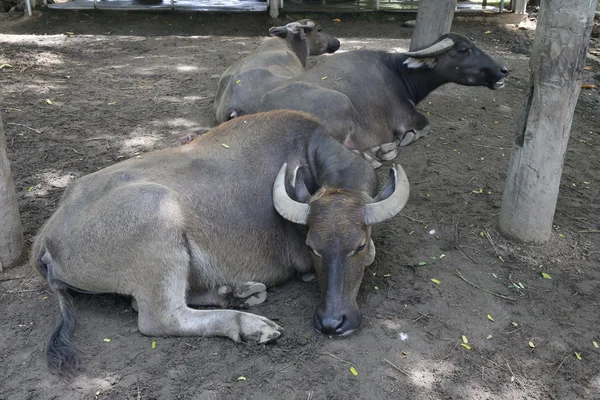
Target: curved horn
(433, 50)
(287, 207)
(385, 209)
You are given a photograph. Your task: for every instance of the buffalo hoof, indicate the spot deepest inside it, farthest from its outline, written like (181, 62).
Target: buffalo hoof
(247, 289)
(374, 163)
(412, 136)
(387, 151)
(256, 299)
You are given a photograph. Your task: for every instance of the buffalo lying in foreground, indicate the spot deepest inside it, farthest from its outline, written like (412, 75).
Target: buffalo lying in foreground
(368, 98)
(276, 61)
(260, 198)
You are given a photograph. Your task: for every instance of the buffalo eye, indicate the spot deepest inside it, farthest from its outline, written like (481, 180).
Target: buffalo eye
(463, 49)
(360, 248)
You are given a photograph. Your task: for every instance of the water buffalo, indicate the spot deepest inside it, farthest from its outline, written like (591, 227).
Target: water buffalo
(368, 98)
(260, 198)
(278, 59)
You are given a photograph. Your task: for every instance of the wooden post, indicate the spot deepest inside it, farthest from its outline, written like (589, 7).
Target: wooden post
(434, 19)
(557, 61)
(274, 8)
(11, 231)
(520, 6)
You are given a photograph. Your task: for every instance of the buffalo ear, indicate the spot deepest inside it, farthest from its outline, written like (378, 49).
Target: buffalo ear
(279, 31)
(300, 190)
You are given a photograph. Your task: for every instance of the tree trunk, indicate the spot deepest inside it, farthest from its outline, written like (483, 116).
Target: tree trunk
(557, 61)
(434, 19)
(11, 231)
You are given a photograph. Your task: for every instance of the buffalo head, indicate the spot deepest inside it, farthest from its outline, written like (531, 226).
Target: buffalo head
(305, 29)
(339, 239)
(456, 59)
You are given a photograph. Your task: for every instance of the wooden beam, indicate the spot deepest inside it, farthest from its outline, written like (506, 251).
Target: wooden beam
(11, 230)
(557, 61)
(434, 19)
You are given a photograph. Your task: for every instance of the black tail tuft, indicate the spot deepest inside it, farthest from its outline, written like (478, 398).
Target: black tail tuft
(61, 355)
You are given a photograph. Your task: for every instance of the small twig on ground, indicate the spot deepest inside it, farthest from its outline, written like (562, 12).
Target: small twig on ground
(11, 279)
(470, 180)
(513, 374)
(412, 219)
(515, 285)
(193, 347)
(471, 258)
(437, 115)
(426, 180)
(547, 390)
(284, 368)
(396, 367)
(24, 126)
(590, 231)
(457, 273)
(487, 147)
(309, 396)
(337, 358)
(21, 291)
(422, 316)
(558, 368)
(448, 355)
(489, 238)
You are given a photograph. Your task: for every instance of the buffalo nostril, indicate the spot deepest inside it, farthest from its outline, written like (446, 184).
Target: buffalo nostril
(504, 70)
(331, 324)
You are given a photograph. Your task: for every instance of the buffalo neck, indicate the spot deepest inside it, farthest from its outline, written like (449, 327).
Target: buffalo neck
(299, 46)
(334, 165)
(418, 82)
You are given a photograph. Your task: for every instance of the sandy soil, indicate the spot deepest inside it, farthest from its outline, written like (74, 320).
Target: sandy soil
(122, 84)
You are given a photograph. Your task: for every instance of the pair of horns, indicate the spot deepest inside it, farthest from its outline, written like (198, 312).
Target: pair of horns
(374, 213)
(433, 50)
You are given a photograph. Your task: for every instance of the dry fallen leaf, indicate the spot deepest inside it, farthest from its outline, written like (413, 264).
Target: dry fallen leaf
(107, 340)
(241, 378)
(486, 32)
(588, 86)
(490, 318)
(353, 370)
(531, 345)
(489, 337)
(225, 145)
(545, 275)
(48, 101)
(153, 344)
(336, 20)
(464, 339)
(437, 282)
(595, 344)
(578, 356)
(466, 346)
(587, 68)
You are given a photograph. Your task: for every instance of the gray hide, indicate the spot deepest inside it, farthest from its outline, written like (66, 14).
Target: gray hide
(171, 227)
(276, 61)
(369, 98)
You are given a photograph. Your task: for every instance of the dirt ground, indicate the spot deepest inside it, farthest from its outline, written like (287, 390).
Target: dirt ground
(85, 90)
